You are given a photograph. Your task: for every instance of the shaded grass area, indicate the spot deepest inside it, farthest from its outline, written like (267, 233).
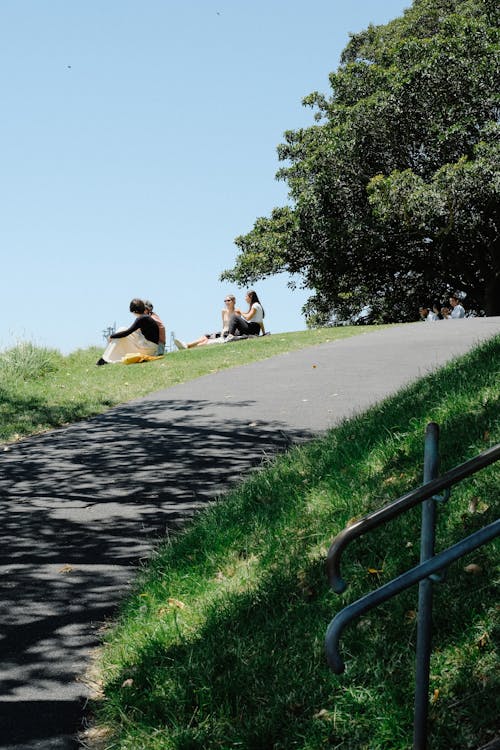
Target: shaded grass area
(40, 389)
(221, 645)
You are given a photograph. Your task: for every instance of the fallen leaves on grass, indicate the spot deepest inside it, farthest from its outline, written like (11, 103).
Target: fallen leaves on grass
(176, 603)
(483, 640)
(473, 569)
(476, 505)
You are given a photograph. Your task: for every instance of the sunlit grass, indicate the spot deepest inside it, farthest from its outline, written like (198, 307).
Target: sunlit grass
(40, 389)
(28, 362)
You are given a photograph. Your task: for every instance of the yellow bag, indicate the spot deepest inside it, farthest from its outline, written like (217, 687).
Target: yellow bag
(131, 359)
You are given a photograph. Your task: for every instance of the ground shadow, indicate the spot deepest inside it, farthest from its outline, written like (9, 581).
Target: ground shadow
(36, 724)
(79, 509)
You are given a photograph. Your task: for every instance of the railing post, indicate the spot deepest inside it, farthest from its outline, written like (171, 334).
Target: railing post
(424, 622)
(430, 568)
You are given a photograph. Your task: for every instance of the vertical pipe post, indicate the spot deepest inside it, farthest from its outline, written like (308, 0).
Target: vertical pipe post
(424, 622)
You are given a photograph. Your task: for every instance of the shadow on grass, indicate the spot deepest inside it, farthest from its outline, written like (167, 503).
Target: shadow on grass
(255, 675)
(26, 415)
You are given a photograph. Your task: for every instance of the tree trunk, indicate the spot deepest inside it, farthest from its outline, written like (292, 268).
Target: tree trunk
(492, 287)
(492, 296)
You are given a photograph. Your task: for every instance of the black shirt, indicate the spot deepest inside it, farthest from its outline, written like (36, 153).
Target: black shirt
(146, 324)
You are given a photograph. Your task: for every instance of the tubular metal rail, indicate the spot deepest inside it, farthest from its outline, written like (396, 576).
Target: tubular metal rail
(428, 569)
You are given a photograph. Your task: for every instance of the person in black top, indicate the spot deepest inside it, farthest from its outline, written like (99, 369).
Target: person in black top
(140, 338)
(143, 322)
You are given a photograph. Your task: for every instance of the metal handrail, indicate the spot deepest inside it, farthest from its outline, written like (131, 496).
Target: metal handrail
(402, 582)
(402, 504)
(424, 573)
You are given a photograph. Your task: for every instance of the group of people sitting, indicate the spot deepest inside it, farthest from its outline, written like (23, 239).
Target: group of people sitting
(438, 312)
(234, 322)
(146, 335)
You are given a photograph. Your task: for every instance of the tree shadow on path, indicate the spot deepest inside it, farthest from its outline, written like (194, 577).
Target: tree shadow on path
(79, 509)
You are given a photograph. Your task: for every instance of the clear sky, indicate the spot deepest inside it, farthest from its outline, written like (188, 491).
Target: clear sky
(138, 139)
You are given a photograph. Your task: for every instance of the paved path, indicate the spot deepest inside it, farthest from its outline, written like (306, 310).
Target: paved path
(81, 506)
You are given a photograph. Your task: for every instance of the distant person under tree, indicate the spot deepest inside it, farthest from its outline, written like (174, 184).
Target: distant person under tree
(457, 309)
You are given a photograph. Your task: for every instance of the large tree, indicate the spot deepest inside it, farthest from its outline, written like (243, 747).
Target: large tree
(394, 192)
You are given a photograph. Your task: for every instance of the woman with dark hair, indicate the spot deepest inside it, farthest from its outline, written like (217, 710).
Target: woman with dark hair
(250, 323)
(140, 338)
(218, 336)
(161, 328)
(456, 309)
(436, 309)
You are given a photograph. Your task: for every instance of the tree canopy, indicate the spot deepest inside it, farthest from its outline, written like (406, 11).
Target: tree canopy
(394, 190)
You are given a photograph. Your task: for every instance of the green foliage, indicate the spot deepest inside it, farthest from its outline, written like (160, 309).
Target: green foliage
(221, 644)
(395, 190)
(275, 233)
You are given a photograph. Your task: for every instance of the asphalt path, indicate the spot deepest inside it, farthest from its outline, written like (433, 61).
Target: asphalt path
(82, 507)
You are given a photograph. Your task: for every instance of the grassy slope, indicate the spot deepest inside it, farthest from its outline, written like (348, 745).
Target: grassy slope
(221, 646)
(41, 390)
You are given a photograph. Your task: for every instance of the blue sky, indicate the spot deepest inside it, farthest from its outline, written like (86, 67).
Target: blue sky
(138, 139)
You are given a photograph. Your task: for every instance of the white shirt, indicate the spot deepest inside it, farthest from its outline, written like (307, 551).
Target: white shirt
(259, 314)
(458, 312)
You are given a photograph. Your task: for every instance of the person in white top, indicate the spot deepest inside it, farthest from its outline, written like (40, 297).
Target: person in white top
(218, 336)
(428, 315)
(250, 323)
(457, 310)
(436, 309)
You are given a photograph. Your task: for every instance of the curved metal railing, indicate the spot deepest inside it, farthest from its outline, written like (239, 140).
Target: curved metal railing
(402, 504)
(402, 582)
(423, 573)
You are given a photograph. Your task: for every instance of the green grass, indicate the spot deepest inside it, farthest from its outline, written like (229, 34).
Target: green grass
(221, 643)
(40, 389)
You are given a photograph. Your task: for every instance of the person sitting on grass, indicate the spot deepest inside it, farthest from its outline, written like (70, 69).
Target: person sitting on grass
(457, 310)
(162, 340)
(250, 323)
(140, 338)
(212, 338)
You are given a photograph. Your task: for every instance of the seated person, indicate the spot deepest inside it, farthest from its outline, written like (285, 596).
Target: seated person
(162, 341)
(208, 338)
(140, 338)
(427, 314)
(457, 310)
(436, 309)
(250, 323)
